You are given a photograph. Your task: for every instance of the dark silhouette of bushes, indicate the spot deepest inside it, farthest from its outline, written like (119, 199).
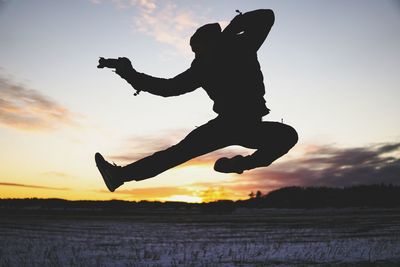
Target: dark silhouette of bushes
(323, 197)
(379, 196)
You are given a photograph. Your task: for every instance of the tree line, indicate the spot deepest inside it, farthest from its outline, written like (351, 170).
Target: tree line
(382, 195)
(378, 195)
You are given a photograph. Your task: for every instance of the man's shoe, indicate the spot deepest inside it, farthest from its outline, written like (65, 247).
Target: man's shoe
(111, 173)
(232, 165)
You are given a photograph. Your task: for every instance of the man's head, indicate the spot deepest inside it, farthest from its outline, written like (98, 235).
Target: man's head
(205, 38)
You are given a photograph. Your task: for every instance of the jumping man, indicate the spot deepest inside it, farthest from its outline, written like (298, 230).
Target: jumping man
(227, 68)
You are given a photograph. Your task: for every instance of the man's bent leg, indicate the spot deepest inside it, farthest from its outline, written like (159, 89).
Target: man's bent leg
(200, 141)
(272, 140)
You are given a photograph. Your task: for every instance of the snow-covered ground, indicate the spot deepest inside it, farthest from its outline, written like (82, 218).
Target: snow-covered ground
(245, 238)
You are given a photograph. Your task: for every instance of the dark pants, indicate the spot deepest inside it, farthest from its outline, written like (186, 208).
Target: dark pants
(271, 139)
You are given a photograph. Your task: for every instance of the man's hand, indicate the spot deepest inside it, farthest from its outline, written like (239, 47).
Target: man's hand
(124, 67)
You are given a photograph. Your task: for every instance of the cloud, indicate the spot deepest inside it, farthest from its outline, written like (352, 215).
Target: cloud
(332, 166)
(137, 147)
(309, 165)
(125, 4)
(320, 166)
(168, 24)
(32, 186)
(165, 21)
(57, 174)
(27, 109)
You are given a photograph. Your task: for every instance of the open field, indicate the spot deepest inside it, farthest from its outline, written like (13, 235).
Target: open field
(264, 237)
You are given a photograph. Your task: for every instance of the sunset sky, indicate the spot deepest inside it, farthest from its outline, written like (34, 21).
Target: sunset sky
(331, 70)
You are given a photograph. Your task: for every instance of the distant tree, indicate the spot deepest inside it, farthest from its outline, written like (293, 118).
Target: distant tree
(258, 194)
(252, 195)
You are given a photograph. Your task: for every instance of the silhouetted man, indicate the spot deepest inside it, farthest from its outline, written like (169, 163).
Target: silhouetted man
(227, 68)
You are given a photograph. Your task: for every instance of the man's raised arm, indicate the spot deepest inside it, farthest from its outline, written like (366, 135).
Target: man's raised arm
(251, 27)
(180, 84)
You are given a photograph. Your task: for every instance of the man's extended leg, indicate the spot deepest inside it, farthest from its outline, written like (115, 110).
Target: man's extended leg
(271, 139)
(204, 139)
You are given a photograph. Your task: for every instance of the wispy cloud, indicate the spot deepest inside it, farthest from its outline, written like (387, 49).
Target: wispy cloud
(165, 21)
(27, 109)
(168, 24)
(33, 186)
(56, 174)
(124, 4)
(332, 166)
(311, 165)
(137, 147)
(318, 166)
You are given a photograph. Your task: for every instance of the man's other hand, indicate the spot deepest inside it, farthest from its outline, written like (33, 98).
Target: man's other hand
(124, 67)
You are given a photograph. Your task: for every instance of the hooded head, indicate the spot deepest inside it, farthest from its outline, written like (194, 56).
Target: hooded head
(205, 38)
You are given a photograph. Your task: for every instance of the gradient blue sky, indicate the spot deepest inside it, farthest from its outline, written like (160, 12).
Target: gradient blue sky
(331, 68)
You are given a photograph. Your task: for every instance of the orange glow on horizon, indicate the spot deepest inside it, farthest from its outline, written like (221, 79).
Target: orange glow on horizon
(192, 182)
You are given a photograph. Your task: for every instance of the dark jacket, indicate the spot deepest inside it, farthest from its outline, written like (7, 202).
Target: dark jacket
(230, 73)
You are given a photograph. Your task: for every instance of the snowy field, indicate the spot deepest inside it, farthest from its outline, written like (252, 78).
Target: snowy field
(337, 237)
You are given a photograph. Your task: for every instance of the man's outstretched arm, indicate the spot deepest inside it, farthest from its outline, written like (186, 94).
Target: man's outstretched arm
(180, 84)
(251, 27)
